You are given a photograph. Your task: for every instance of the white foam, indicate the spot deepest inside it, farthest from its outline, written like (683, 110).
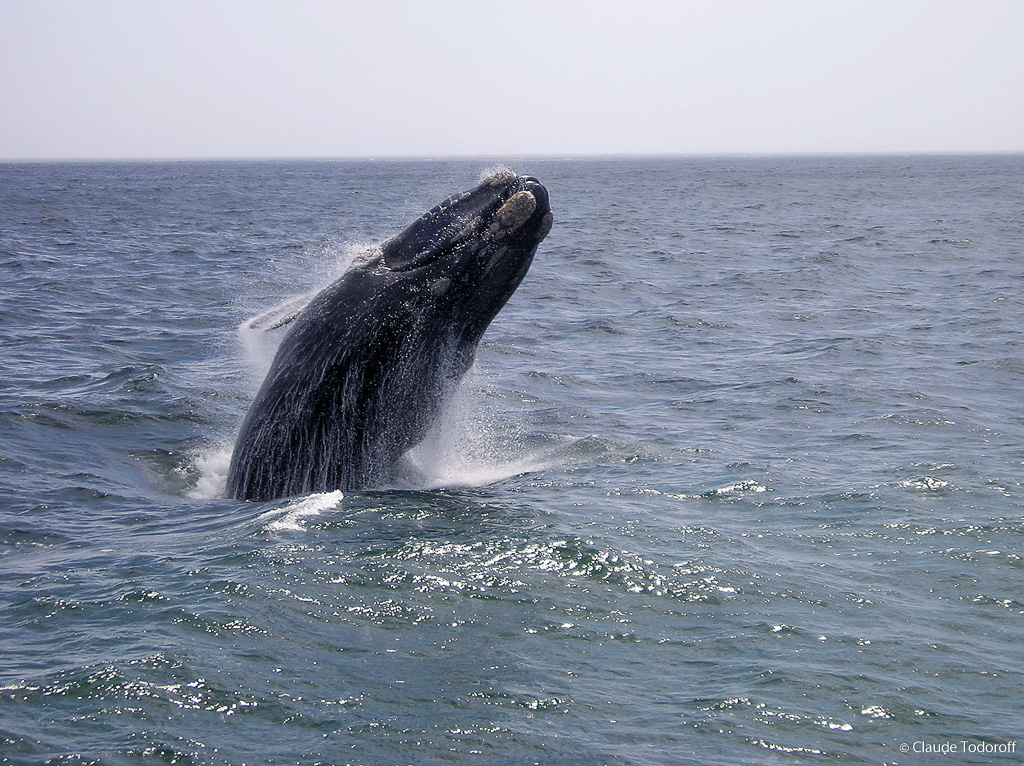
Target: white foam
(436, 469)
(212, 465)
(294, 516)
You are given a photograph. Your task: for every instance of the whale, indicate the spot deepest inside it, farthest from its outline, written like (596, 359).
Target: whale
(365, 366)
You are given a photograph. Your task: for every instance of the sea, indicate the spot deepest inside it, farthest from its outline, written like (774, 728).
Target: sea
(737, 476)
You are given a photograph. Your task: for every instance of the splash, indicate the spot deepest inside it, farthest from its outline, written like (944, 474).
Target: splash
(212, 466)
(475, 443)
(501, 170)
(260, 335)
(294, 516)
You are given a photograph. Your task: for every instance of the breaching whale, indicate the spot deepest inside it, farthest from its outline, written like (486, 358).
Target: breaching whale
(366, 365)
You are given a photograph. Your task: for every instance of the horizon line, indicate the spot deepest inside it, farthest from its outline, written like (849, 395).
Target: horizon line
(516, 156)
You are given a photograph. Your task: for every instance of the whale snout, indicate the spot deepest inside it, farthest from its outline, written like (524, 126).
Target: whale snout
(536, 188)
(507, 185)
(516, 211)
(525, 202)
(505, 209)
(542, 210)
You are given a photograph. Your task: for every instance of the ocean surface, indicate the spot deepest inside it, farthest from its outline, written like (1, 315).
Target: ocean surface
(737, 478)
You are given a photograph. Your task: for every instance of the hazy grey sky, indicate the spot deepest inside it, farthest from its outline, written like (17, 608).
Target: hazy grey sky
(140, 79)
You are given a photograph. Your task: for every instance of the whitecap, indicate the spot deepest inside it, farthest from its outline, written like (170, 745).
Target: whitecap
(294, 516)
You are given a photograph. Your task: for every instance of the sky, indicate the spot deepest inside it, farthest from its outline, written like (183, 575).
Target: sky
(147, 79)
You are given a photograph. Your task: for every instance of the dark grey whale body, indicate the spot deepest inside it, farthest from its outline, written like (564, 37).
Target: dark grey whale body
(367, 364)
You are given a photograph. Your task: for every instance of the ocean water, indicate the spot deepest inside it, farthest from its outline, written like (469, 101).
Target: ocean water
(737, 478)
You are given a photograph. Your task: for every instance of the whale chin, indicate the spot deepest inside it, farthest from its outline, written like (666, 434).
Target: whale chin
(366, 365)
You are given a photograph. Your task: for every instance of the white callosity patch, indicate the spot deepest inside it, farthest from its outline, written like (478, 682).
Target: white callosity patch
(515, 212)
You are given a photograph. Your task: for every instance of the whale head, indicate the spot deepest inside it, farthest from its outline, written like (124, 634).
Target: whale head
(470, 252)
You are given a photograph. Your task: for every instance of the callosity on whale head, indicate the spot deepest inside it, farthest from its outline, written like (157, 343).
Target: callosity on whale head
(365, 367)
